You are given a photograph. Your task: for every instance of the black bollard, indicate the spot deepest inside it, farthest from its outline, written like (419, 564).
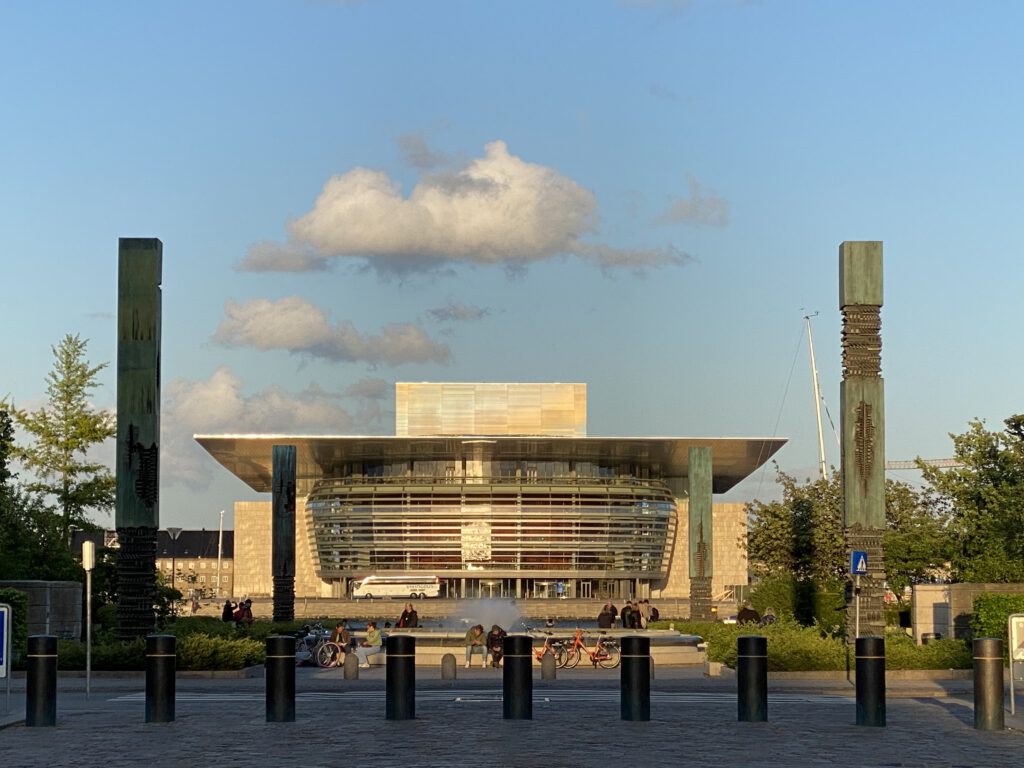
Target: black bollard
(988, 684)
(280, 673)
(400, 685)
(752, 678)
(870, 670)
(517, 678)
(160, 668)
(41, 681)
(635, 679)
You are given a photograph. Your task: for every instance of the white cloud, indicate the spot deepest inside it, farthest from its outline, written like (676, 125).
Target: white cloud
(294, 325)
(703, 208)
(497, 209)
(218, 405)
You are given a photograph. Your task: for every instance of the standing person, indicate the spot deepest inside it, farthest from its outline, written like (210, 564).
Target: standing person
(369, 646)
(605, 619)
(227, 615)
(476, 640)
(613, 610)
(409, 618)
(496, 644)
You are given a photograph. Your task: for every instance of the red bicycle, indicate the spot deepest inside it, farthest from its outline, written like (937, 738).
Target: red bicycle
(605, 653)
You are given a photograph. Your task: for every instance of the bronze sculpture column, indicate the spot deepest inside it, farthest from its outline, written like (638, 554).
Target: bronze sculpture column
(863, 426)
(283, 532)
(700, 544)
(137, 509)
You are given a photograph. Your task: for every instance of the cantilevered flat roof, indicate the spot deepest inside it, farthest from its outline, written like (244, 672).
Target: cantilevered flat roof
(249, 457)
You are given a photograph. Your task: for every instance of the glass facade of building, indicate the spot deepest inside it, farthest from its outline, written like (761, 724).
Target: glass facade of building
(578, 524)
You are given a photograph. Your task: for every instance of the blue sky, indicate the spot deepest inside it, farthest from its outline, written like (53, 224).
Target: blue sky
(644, 196)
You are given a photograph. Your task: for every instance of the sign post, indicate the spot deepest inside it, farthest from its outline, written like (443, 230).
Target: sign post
(1015, 632)
(858, 567)
(5, 650)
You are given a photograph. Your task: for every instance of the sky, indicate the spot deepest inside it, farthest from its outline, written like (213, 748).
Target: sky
(647, 196)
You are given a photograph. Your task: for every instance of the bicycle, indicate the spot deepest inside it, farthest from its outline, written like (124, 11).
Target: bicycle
(329, 654)
(557, 648)
(606, 653)
(307, 645)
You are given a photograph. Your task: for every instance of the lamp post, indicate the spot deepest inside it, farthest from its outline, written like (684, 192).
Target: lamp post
(174, 533)
(220, 550)
(88, 563)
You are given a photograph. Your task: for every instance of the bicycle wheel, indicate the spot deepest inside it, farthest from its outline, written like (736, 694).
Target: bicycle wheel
(326, 653)
(572, 657)
(561, 656)
(610, 656)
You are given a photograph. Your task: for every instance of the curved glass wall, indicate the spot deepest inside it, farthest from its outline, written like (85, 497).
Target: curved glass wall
(525, 523)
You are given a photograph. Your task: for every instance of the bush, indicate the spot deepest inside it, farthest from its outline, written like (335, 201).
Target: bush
(902, 653)
(194, 652)
(809, 602)
(794, 648)
(18, 601)
(991, 613)
(203, 652)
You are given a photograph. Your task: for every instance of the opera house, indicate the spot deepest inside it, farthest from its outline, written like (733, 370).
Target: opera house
(497, 490)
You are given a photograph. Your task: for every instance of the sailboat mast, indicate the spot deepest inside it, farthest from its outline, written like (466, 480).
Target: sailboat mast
(817, 398)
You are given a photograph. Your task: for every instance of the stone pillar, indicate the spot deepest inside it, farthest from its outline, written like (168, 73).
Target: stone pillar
(863, 424)
(701, 561)
(283, 532)
(137, 510)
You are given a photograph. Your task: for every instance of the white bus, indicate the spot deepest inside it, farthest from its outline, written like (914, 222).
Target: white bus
(397, 586)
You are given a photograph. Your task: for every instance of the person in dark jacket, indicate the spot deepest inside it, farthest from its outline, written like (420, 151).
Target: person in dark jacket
(496, 644)
(228, 614)
(627, 615)
(748, 615)
(409, 618)
(605, 618)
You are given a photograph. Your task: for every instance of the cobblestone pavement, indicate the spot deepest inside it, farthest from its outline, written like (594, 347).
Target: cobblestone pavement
(576, 722)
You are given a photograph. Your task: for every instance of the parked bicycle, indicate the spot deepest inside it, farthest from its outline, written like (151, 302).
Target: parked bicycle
(605, 653)
(558, 648)
(308, 644)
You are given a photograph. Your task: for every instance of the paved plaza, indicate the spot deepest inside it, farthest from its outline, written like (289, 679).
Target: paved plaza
(576, 722)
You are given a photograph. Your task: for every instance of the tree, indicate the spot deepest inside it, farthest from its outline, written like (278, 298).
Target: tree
(985, 501)
(65, 430)
(31, 541)
(803, 536)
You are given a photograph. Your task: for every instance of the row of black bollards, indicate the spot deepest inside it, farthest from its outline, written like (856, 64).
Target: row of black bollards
(517, 690)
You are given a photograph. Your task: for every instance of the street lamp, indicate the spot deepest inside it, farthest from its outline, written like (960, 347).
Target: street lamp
(88, 563)
(174, 533)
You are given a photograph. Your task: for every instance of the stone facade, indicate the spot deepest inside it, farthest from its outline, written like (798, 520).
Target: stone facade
(253, 576)
(729, 542)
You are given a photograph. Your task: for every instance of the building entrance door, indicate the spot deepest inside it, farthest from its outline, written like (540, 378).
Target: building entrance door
(490, 588)
(585, 591)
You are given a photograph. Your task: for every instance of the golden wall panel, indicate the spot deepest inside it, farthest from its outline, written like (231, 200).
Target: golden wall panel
(459, 408)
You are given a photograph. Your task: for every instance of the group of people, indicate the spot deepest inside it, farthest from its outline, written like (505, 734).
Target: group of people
(635, 615)
(374, 640)
(491, 644)
(237, 613)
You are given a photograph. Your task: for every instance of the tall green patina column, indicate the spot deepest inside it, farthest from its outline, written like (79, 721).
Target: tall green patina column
(137, 515)
(283, 532)
(700, 543)
(863, 426)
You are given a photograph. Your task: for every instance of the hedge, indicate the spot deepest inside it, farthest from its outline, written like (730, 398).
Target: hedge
(991, 613)
(18, 601)
(194, 652)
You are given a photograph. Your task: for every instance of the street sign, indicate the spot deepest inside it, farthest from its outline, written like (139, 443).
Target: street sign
(5, 638)
(858, 563)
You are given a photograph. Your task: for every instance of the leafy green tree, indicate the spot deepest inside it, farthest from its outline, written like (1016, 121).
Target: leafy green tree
(985, 501)
(917, 542)
(65, 429)
(31, 540)
(802, 535)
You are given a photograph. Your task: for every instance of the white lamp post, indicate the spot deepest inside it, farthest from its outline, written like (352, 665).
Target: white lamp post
(88, 563)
